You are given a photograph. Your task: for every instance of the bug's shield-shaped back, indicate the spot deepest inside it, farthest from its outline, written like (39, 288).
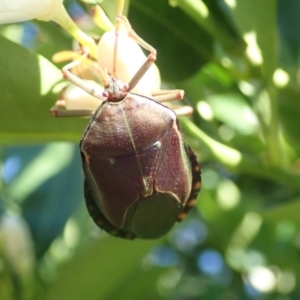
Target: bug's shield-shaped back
(136, 165)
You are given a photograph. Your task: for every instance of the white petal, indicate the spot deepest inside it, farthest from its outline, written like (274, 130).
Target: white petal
(130, 57)
(76, 98)
(24, 10)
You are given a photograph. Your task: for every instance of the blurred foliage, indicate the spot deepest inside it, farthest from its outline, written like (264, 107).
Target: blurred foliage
(238, 61)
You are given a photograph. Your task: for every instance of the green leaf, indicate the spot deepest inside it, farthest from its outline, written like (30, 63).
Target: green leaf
(233, 110)
(289, 111)
(182, 46)
(29, 88)
(283, 212)
(101, 269)
(259, 17)
(210, 18)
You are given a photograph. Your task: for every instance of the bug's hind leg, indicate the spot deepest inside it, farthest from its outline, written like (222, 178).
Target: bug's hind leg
(121, 20)
(92, 89)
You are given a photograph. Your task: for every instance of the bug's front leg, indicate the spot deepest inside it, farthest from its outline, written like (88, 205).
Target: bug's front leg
(81, 98)
(75, 102)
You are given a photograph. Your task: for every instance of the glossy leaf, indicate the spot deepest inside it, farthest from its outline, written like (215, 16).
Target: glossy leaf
(30, 86)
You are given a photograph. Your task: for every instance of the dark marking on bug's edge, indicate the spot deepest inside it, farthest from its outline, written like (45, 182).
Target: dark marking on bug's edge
(196, 186)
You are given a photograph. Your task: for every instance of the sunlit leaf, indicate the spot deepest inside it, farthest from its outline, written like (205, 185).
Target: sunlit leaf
(29, 87)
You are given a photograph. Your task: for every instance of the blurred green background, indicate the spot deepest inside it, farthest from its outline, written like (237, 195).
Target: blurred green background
(238, 61)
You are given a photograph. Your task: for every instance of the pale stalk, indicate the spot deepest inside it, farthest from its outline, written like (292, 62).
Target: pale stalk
(240, 162)
(63, 19)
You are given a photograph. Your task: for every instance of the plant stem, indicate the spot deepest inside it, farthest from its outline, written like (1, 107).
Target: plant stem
(272, 138)
(64, 20)
(238, 162)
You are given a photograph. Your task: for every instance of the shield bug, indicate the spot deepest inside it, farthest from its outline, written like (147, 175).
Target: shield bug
(140, 175)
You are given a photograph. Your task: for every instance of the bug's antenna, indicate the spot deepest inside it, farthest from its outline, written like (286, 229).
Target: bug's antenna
(118, 27)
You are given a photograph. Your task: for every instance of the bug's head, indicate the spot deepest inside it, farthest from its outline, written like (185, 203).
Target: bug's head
(115, 90)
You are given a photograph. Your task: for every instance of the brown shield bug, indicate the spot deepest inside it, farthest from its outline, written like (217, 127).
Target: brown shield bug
(140, 175)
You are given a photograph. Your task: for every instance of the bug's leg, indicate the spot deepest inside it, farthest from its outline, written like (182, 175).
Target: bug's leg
(140, 73)
(183, 110)
(84, 70)
(58, 111)
(81, 83)
(167, 95)
(135, 36)
(170, 95)
(121, 20)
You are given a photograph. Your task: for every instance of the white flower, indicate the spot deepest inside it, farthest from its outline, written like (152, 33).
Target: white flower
(75, 98)
(24, 10)
(12, 11)
(129, 60)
